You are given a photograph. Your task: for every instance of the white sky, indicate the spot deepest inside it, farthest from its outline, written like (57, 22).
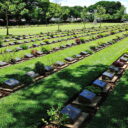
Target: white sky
(86, 2)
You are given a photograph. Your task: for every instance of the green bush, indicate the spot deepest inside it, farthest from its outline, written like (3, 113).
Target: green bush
(24, 46)
(89, 51)
(39, 68)
(46, 41)
(93, 89)
(82, 40)
(44, 50)
(93, 47)
(25, 79)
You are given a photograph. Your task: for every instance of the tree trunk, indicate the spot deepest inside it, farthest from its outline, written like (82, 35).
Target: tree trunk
(58, 26)
(84, 24)
(7, 23)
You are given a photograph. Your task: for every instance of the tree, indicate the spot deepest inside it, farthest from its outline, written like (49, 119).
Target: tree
(100, 13)
(65, 13)
(118, 16)
(7, 7)
(84, 15)
(125, 17)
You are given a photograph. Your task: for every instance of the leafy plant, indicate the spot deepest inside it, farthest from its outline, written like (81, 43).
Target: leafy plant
(46, 41)
(44, 50)
(75, 36)
(112, 32)
(93, 89)
(82, 40)
(39, 68)
(24, 46)
(93, 47)
(26, 79)
(55, 117)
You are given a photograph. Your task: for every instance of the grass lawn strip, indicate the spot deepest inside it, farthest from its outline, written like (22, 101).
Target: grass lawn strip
(28, 104)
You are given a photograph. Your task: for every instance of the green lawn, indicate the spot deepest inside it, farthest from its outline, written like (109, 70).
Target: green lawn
(42, 28)
(114, 112)
(25, 108)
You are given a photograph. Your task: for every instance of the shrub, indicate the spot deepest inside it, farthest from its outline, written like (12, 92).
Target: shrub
(75, 36)
(82, 40)
(93, 89)
(39, 68)
(51, 35)
(55, 115)
(78, 41)
(44, 50)
(93, 47)
(24, 46)
(89, 51)
(112, 32)
(25, 79)
(46, 41)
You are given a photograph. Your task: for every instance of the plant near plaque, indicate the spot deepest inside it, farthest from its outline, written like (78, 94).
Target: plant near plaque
(39, 68)
(82, 40)
(78, 41)
(75, 36)
(25, 79)
(56, 119)
(93, 89)
(46, 41)
(44, 50)
(23, 46)
(89, 51)
(112, 32)
(93, 47)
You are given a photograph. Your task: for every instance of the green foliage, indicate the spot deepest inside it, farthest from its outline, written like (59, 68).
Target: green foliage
(55, 117)
(46, 41)
(82, 40)
(93, 89)
(39, 68)
(25, 79)
(23, 46)
(44, 50)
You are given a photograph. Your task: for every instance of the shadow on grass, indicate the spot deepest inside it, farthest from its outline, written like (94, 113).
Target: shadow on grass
(114, 113)
(32, 102)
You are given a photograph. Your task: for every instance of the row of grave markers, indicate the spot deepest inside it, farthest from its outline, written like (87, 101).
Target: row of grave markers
(80, 108)
(39, 53)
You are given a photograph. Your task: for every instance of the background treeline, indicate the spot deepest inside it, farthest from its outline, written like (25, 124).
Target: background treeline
(16, 12)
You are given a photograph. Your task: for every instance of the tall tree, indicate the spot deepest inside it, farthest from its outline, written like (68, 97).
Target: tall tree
(100, 13)
(7, 7)
(84, 15)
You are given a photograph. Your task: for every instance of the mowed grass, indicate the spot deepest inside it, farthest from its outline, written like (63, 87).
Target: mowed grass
(26, 107)
(50, 28)
(51, 58)
(114, 112)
